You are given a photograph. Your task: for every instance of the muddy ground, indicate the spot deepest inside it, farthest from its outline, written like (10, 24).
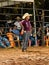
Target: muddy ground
(33, 56)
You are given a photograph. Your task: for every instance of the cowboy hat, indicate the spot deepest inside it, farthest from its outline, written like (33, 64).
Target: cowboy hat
(18, 18)
(25, 15)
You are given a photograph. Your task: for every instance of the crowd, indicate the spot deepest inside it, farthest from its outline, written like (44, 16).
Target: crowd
(23, 32)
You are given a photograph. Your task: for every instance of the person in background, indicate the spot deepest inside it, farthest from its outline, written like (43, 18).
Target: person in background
(47, 31)
(6, 41)
(27, 30)
(3, 41)
(7, 25)
(17, 23)
(11, 38)
(32, 37)
(17, 29)
(39, 36)
(47, 37)
(47, 41)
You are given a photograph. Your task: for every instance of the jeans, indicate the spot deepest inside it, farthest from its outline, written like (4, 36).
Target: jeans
(6, 42)
(32, 40)
(26, 36)
(2, 44)
(16, 32)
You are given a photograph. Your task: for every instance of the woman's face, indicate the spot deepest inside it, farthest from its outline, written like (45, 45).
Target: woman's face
(27, 18)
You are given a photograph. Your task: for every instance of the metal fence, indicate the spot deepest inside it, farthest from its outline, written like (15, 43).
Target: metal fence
(9, 12)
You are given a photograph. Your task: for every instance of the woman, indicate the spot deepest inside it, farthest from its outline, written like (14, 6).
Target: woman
(27, 29)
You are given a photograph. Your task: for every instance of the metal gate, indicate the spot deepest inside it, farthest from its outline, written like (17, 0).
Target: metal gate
(42, 21)
(13, 9)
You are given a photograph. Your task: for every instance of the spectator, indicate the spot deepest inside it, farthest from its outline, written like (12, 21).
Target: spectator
(47, 37)
(39, 36)
(11, 38)
(47, 41)
(47, 31)
(17, 23)
(4, 41)
(1, 43)
(15, 31)
(18, 28)
(32, 38)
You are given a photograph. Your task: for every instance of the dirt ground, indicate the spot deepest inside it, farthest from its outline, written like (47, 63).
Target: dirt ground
(33, 56)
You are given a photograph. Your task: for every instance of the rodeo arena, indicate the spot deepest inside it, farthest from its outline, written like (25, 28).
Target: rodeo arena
(24, 33)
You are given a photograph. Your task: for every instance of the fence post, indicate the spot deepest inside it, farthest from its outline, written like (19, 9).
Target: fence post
(34, 22)
(43, 28)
